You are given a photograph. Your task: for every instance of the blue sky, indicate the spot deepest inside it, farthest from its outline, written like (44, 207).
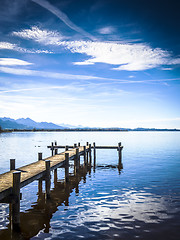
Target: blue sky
(97, 63)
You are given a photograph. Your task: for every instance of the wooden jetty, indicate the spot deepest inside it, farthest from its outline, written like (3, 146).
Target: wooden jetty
(12, 181)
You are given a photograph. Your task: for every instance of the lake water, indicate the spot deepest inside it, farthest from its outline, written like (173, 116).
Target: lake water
(141, 201)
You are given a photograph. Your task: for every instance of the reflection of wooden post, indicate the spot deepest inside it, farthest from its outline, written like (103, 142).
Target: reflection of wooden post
(77, 189)
(48, 178)
(85, 160)
(66, 202)
(56, 150)
(66, 167)
(16, 206)
(52, 148)
(39, 156)
(12, 164)
(94, 147)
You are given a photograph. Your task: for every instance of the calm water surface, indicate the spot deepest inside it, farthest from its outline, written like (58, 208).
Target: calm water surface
(141, 201)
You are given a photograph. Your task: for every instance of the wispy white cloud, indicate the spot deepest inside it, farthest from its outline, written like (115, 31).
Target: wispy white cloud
(13, 62)
(125, 56)
(106, 30)
(43, 88)
(15, 47)
(45, 37)
(167, 69)
(130, 57)
(29, 72)
(64, 76)
(63, 17)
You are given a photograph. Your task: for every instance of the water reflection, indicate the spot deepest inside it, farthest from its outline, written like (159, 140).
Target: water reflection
(38, 217)
(41, 212)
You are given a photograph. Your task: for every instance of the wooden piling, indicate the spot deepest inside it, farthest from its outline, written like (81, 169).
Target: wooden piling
(75, 145)
(85, 160)
(39, 156)
(52, 148)
(90, 155)
(66, 167)
(12, 164)
(77, 160)
(79, 144)
(55, 177)
(87, 152)
(66, 148)
(120, 153)
(48, 179)
(16, 206)
(56, 149)
(39, 186)
(94, 147)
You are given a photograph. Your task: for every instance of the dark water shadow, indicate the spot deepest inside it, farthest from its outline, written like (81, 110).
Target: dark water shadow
(39, 216)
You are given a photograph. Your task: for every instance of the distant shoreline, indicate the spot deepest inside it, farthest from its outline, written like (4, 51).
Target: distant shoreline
(88, 130)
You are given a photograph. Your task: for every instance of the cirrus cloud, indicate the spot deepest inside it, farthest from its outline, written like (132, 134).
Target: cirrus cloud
(15, 47)
(44, 37)
(124, 56)
(130, 57)
(13, 62)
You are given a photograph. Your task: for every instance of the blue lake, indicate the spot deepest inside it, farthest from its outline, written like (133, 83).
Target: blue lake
(141, 201)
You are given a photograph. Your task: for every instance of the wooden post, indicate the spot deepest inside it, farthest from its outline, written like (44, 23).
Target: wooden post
(87, 152)
(75, 145)
(52, 148)
(40, 186)
(66, 167)
(77, 159)
(90, 155)
(66, 148)
(39, 156)
(48, 178)
(16, 206)
(79, 144)
(55, 177)
(12, 164)
(55, 150)
(94, 147)
(120, 154)
(85, 160)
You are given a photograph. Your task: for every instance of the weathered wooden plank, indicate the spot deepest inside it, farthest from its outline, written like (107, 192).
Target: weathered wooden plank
(34, 171)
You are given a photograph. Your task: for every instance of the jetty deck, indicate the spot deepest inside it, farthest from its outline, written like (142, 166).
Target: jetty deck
(34, 171)
(11, 182)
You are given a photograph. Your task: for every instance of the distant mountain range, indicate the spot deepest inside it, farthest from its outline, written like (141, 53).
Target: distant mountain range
(29, 124)
(26, 123)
